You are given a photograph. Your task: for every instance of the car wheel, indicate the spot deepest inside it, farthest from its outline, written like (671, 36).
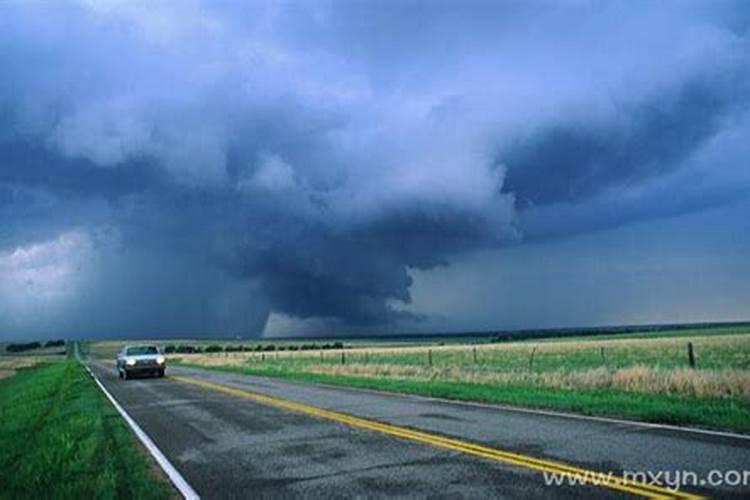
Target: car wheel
(161, 373)
(125, 375)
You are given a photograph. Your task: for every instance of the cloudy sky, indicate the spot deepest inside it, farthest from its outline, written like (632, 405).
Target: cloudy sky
(192, 167)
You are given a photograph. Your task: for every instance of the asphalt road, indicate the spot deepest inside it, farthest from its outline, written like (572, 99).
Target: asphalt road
(232, 447)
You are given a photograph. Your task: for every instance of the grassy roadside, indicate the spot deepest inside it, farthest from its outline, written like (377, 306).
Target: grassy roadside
(61, 438)
(714, 413)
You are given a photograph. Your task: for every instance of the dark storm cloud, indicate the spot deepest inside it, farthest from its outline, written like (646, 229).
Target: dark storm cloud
(27, 164)
(192, 169)
(312, 270)
(578, 161)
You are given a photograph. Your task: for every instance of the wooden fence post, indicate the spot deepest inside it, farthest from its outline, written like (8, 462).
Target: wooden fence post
(531, 359)
(343, 357)
(691, 355)
(429, 357)
(604, 361)
(474, 352)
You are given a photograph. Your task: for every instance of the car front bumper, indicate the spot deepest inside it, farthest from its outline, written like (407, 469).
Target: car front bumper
(138, 369)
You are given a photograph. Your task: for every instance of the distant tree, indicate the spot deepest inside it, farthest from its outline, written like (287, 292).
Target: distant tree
(23, 347)
(187, 349)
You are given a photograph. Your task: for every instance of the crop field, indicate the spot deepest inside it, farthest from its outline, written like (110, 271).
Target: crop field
(646, 376)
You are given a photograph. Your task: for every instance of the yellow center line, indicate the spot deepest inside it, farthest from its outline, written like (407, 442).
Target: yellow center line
(595, 478)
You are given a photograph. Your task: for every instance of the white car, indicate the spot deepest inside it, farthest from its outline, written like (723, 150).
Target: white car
(140, 360)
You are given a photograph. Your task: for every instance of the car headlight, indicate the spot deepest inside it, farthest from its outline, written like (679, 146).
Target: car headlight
(160, 360)
(130, 362)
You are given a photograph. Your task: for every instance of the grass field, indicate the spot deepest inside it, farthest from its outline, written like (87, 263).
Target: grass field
(61, 438)
(641, 376)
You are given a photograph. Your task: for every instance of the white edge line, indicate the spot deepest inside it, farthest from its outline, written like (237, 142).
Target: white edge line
(517, 409)
(179, 482)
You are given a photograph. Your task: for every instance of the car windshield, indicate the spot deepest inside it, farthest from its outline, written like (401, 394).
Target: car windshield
(137, 351)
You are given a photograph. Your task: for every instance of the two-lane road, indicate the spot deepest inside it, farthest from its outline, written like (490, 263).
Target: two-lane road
(234, 436)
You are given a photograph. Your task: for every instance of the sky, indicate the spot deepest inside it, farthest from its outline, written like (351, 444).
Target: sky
(269, 168)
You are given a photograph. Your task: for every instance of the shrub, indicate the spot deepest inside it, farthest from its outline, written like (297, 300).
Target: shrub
(214, 348)
(23, 347)
(169, 349)
(187, 349)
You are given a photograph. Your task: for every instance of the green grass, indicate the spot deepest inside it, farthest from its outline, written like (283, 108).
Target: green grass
(724, 414)
(61, 438)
